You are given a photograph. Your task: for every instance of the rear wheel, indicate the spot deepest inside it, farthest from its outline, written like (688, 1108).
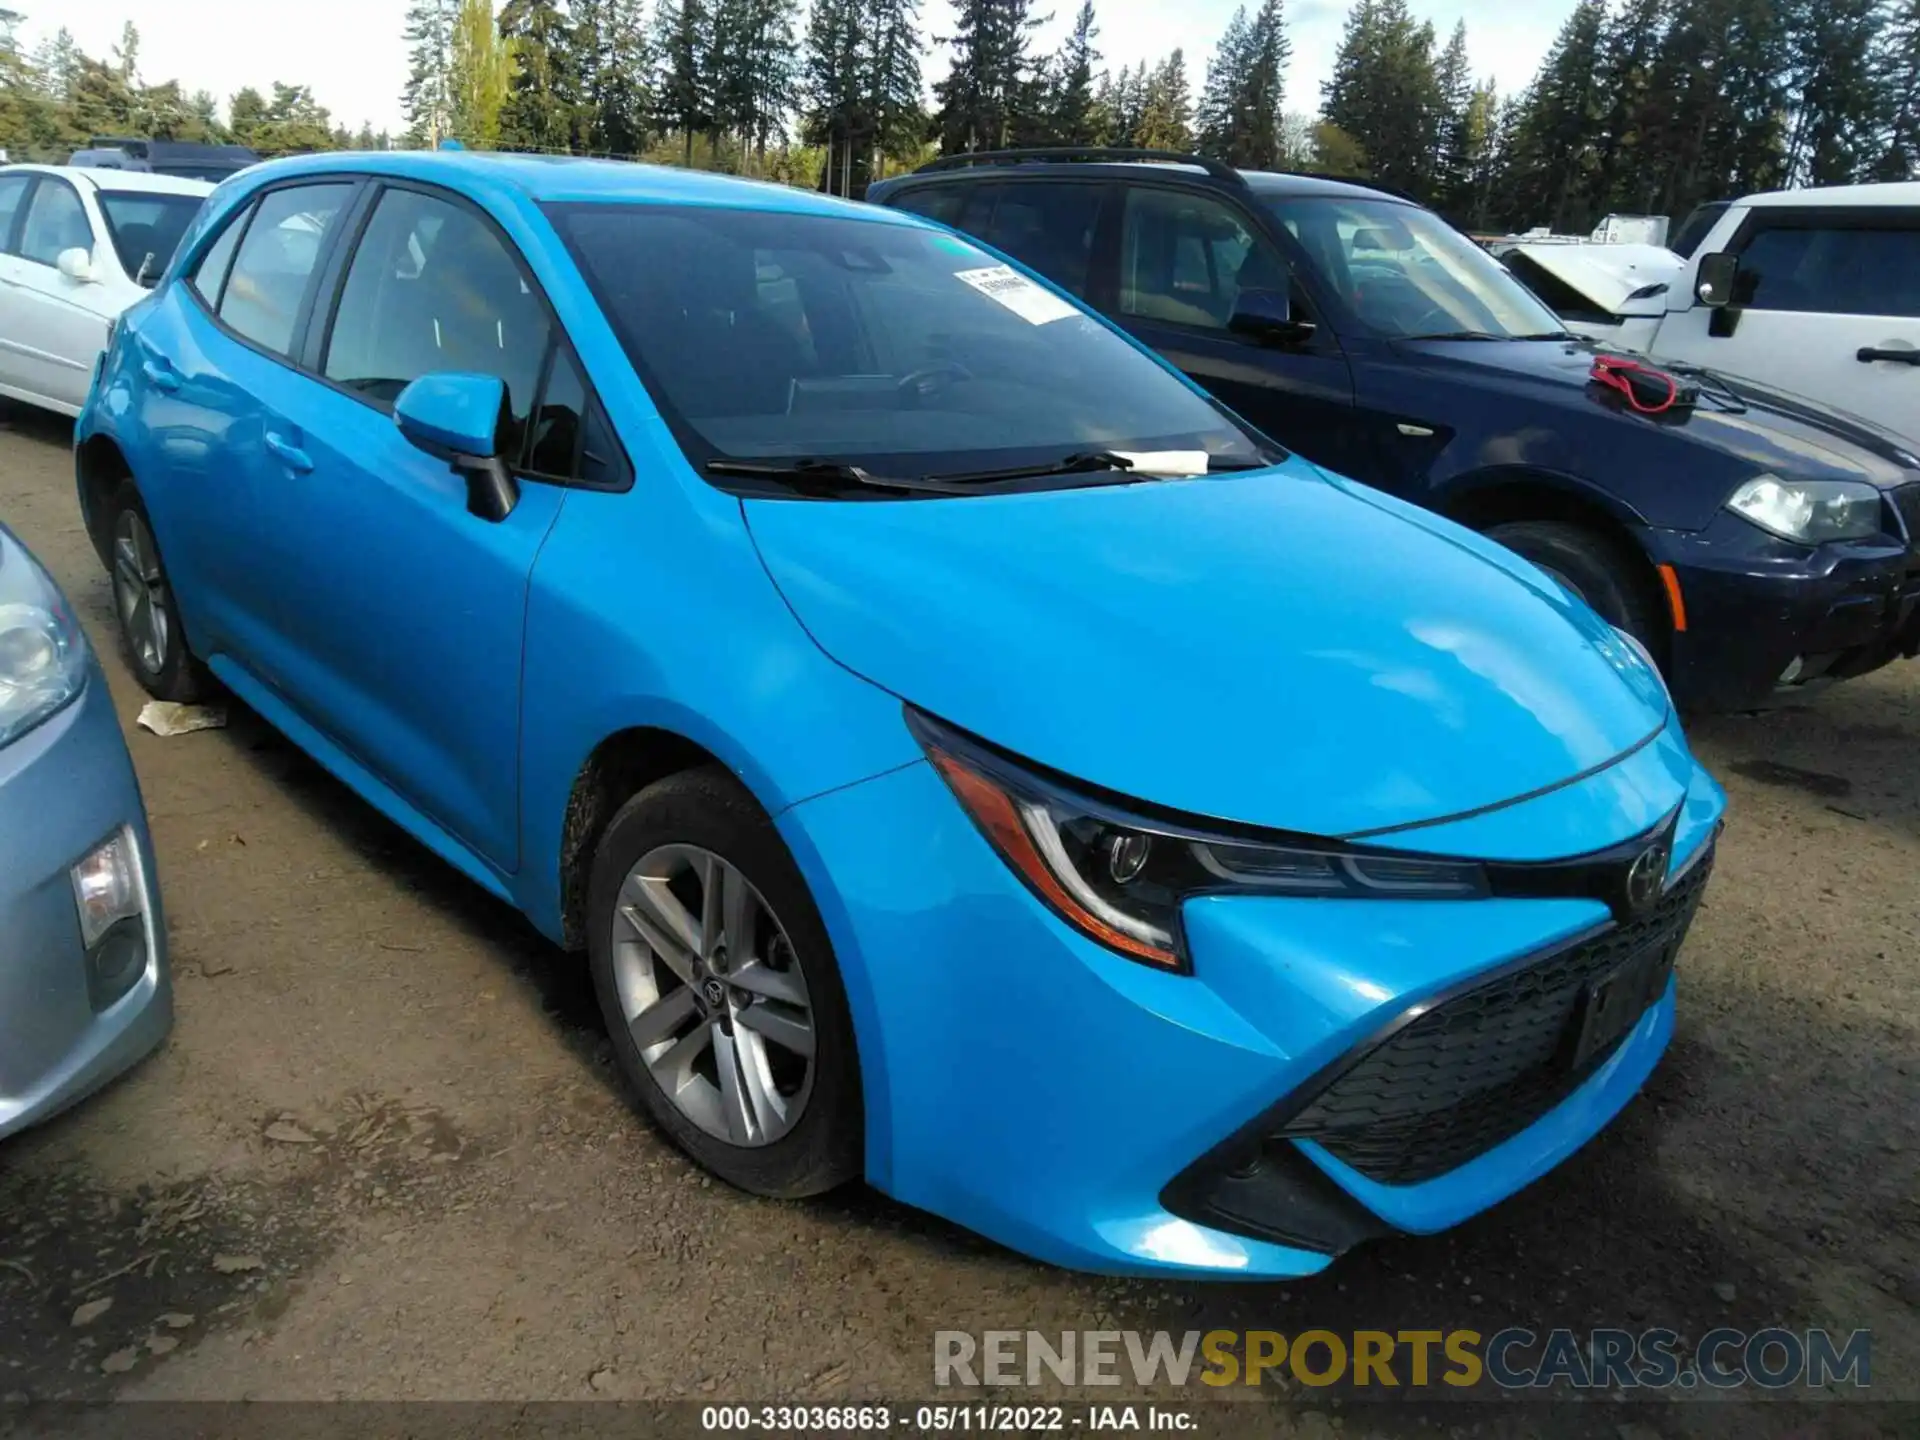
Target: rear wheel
(719, 988)
(1594, 568)
(151, 636)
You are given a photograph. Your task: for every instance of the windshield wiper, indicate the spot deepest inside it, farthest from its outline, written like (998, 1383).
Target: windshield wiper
(1461, 335)
(816, 474)
(1081, 462)
(1550, 335)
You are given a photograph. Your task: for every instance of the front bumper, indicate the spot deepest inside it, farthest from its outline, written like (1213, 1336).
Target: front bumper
(66, 786)
(1033, 1086)
(1756, 604)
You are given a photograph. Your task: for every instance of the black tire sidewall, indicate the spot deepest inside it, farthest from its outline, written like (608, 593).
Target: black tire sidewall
(179, 677)
(1593, 566)
(711, 809)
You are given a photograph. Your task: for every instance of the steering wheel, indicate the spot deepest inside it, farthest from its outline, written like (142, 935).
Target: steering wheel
(929, 380)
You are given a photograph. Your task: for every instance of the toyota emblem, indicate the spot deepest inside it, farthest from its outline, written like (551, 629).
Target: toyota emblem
(1646, 877)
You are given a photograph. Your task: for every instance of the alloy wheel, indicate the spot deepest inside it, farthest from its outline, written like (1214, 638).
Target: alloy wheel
(140, 592)
(713, 995)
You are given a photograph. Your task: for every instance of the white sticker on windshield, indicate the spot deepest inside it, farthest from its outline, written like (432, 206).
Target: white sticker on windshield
(1029, 301)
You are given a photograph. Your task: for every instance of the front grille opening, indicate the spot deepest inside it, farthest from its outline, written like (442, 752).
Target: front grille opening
(1483, 1066)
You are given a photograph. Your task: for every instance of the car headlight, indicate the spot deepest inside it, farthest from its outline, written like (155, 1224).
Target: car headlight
(1120, 877)
(1809, 511)
(43, 656)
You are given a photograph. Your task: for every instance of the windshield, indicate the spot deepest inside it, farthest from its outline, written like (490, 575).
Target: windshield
(146, 228)
(902, 350)
(1407, 273)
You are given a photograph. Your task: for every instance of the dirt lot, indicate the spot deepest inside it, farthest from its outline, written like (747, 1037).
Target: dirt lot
(385, 1155)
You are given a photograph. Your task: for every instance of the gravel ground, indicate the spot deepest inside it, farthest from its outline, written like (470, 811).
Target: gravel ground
(385, 1155)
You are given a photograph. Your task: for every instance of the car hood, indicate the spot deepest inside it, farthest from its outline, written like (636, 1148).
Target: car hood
(1614, 277)
(1770, 429)
(1281, 648)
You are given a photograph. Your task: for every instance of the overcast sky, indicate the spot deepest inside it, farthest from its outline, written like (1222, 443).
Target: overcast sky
(352, 55)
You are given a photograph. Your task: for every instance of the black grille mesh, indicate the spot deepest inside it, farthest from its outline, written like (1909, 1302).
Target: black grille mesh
(1487, 1063)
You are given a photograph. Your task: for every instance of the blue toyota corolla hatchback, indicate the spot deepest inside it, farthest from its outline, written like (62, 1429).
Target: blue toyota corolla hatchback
(971, 758)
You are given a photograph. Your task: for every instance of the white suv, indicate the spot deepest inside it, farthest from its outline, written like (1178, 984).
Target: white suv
(1811, 291)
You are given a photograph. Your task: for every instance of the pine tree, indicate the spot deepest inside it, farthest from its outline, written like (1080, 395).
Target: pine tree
(427, 101)
(480, 71)
(1554, 159)
(753, 69)
(1835, 102)
(990, 85)
(834, 90)
(893, 77)
(1897, 80)
(682, 86)
(1073, 114)
(1260, 102)
(1384, 93)
(544, 96)
(1218, 96)
(1166, 106)
(610, 41)
(1453, 85)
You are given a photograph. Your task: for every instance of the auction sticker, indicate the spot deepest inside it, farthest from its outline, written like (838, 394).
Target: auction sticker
(1032, 303)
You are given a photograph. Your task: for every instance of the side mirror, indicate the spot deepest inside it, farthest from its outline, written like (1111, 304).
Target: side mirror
(457, 416)
(76, 264)
(1267, 316)
(1713, 283)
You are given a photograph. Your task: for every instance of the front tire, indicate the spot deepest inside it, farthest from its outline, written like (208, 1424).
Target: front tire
(719, 988)
(1594, 568)
(151, 636)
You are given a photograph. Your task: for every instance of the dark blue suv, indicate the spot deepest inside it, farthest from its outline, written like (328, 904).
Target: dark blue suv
(1750, 539)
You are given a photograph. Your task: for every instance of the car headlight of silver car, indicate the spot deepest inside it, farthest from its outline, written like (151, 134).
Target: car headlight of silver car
(1809, 511)
(1120, 877)
(43, 655)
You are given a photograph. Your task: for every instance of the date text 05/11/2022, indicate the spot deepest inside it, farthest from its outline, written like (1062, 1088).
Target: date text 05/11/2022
(946, 1419)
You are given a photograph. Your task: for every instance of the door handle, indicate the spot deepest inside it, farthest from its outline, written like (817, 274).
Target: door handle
(288, 454)
(1867, 354)
(160, 374)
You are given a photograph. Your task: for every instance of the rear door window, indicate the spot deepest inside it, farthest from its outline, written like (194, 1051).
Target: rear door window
(56, 221)
(13, 189)
(268, 284)
(1868, 267)
(1049, 226)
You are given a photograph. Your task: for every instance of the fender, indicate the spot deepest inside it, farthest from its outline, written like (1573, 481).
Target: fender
(1466, 492)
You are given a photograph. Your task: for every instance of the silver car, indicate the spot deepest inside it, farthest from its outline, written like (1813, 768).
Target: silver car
(84, 990)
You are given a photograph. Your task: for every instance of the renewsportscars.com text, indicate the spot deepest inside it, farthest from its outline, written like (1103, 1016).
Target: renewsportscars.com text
(1774, 1358)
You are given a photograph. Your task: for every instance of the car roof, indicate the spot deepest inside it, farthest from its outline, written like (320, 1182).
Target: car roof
(1262, 182)
(119, 180)
(564, 178)
(1892, 192)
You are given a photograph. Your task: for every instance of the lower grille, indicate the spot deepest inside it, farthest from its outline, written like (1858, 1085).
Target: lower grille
(1485, 1064)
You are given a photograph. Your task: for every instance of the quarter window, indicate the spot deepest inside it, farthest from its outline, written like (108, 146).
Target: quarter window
(277, 256)
(433, 287)
(1833, 270)
(209, 274)
(554, 440)
(55, 222)
(1049, 227)
(1185, 258)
